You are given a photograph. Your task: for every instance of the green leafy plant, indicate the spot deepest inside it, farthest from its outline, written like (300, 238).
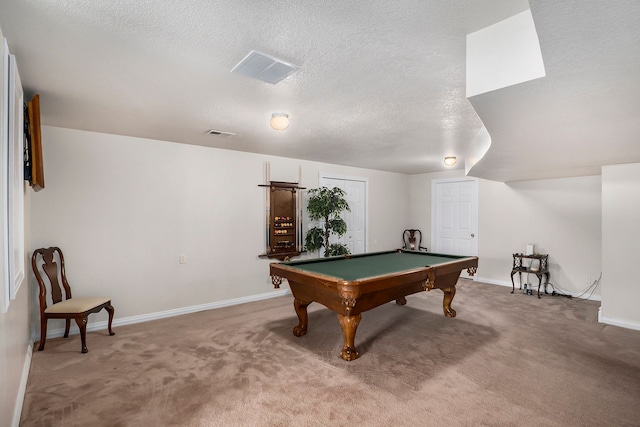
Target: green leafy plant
(326, 205)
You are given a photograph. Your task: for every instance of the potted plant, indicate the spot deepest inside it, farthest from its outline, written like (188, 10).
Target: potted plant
(326, 205)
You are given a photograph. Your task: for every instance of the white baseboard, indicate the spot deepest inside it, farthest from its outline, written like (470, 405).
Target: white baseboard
(22, 389)
(616, 322)
(509, 285)
(56, 333)
(491, 281)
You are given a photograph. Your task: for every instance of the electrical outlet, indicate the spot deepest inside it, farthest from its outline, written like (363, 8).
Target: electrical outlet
(183, 259)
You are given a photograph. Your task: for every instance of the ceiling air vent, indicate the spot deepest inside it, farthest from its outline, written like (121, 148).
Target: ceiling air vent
(220, 133)
(264, 67)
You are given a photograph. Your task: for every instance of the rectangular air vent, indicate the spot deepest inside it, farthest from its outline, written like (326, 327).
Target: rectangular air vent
(264, 67)
(220, 133)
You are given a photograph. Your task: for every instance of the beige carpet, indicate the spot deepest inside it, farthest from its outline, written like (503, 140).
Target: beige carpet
(506, 360)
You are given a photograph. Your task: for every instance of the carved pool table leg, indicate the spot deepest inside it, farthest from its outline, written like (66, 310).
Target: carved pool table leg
(349, 325)
(276, 281)
(449, 293)
(301, 311)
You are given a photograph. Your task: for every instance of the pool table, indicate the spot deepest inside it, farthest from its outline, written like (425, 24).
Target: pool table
(352, 284)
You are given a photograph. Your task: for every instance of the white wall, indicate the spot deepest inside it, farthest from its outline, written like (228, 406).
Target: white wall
(620, 245)
(562, 217)
(123, 209)
(503, 54)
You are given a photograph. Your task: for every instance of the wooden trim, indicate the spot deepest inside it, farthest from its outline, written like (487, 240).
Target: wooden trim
(37, 167)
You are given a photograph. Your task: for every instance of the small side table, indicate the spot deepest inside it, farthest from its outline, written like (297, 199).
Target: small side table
(542, 269)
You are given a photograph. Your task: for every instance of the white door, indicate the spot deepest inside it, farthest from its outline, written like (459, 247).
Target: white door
(356, 192)
(454, 216)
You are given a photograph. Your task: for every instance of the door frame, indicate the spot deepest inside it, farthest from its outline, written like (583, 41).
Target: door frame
(365, 180)
(434, 206)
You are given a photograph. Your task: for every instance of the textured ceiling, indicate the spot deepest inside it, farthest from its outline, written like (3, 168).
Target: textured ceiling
(381, 84)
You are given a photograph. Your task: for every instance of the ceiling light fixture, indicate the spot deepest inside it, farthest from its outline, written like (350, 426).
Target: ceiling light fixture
(279, 121)
(450, 160)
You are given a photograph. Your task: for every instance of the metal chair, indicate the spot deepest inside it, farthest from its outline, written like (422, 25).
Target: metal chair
(49, 264)
(412, 240)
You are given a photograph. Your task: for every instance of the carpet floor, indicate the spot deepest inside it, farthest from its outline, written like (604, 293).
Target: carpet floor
(505, 360)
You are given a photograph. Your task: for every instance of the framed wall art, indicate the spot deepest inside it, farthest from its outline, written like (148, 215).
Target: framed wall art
(4, 177)
(16, 180)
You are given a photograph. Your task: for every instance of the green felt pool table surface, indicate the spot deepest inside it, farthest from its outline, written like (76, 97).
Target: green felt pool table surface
(373, 264)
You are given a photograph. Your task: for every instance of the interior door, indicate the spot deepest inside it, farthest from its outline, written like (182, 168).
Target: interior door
(454, 216)
(355, 189)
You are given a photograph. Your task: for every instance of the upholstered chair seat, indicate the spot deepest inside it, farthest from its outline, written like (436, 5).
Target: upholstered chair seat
(76, 305)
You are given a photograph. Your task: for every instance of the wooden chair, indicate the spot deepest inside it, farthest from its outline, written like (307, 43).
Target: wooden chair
(44, 261)
(412, 240)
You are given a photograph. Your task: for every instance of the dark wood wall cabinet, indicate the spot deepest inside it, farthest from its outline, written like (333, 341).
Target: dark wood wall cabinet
(283, 224)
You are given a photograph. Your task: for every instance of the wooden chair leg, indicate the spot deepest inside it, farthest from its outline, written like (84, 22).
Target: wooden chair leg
(43, 332)
(67, 325)
(82, 324)
(110, 309)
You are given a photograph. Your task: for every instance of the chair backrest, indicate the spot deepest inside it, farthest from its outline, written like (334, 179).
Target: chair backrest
(412, 239)
(48, 264)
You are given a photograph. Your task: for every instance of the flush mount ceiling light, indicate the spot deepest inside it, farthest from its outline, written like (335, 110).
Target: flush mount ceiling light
(279, 121)
(450, 160)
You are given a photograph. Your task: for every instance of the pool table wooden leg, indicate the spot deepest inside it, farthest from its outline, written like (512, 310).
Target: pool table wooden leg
(349, 325)
(449, 293)
(401, 301)
(301, 310)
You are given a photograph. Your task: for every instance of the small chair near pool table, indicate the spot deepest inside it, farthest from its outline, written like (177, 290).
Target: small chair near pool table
(352, 284)
(412, 240)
